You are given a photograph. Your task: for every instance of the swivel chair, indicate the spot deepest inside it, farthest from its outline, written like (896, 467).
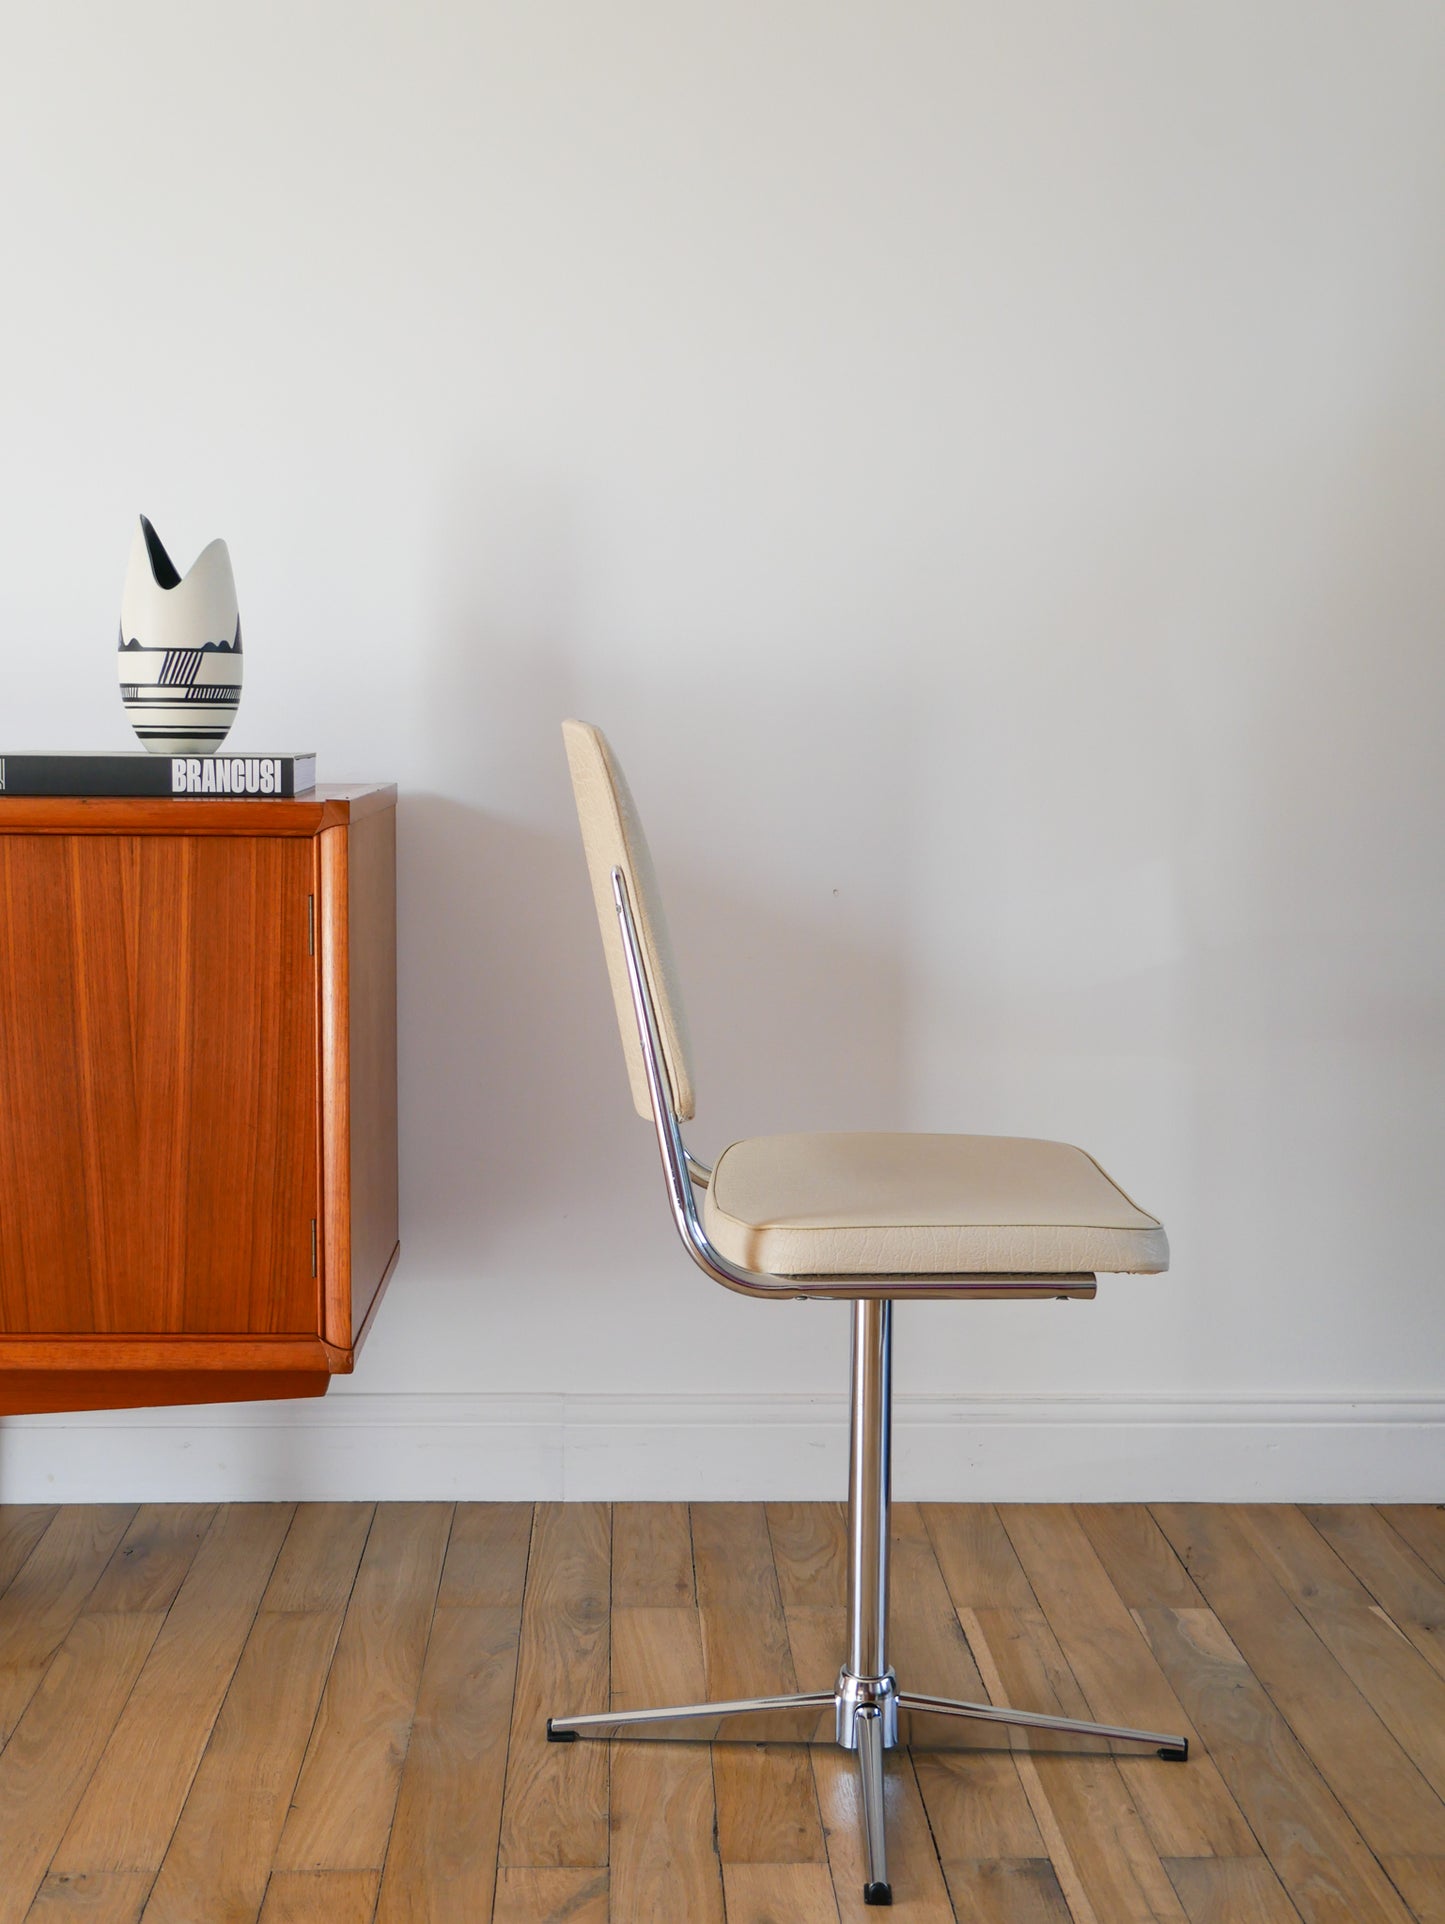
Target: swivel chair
(866, 1218)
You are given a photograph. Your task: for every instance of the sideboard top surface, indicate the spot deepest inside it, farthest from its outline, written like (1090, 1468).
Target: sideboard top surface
(331, 806)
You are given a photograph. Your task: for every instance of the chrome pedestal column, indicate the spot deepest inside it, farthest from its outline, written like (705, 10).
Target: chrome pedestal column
(862, 1713)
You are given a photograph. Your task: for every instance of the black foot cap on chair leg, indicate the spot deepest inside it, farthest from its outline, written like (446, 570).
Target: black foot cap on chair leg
(1176, 1753)
(877, 1893)
(560, 1736)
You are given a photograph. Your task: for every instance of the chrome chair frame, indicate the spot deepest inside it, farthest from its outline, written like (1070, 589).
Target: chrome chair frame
(861, 1713)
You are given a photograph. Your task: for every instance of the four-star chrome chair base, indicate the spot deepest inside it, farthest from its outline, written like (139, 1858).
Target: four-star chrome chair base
(862, 1713)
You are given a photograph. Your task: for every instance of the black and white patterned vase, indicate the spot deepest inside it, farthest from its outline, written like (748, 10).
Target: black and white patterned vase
(180, 648)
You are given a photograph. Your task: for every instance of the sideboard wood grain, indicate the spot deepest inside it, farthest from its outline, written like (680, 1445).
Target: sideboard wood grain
(197, 1095)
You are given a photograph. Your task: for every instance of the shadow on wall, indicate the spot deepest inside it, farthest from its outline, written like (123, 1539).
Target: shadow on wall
(515, 1106)
(528, 1185)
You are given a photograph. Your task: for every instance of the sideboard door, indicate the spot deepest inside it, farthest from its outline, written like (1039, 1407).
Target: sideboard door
(158, 1085)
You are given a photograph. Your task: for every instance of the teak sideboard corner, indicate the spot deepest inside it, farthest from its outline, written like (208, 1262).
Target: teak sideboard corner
(198, 1173)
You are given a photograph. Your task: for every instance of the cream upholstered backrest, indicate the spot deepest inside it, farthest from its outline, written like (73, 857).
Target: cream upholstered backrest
(612, 837)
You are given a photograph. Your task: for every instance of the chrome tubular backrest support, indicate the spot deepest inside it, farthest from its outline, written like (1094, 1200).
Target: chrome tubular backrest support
(677, 1164)
(700, 1173)
(682, 1170)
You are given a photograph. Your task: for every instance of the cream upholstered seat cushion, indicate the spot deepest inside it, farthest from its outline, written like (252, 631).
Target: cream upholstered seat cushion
(914, 1205)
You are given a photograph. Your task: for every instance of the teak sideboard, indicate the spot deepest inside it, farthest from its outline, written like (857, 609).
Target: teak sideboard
(198, 1177)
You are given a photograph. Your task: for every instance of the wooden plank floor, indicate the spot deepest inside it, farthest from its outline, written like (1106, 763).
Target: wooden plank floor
(334, 1714)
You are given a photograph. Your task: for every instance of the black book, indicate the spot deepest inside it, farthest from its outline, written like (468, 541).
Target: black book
(253, 777)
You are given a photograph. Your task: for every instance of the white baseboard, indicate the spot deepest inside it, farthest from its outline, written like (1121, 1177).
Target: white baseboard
(1000, 1448)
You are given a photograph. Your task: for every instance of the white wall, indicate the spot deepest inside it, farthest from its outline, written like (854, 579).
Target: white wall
(982, 464)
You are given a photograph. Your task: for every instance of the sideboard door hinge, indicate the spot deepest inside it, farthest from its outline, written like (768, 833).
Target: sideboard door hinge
(311, 925)
(313, 1245)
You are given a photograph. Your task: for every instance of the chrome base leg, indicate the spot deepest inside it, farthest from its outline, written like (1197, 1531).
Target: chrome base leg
(868, 1738)
(1174, 1748)
(793, 1719)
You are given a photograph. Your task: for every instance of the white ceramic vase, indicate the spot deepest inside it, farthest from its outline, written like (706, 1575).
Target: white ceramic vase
(180, 648)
